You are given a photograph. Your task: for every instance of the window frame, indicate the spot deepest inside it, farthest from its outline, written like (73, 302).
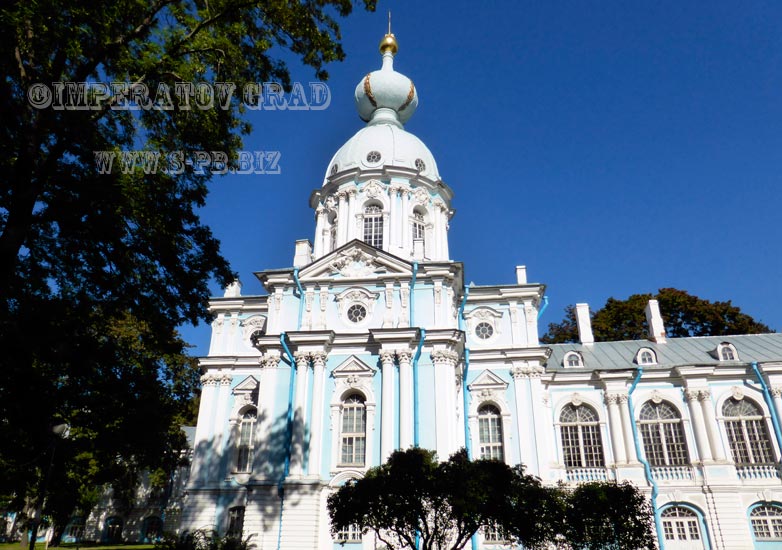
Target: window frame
(246, 449)
(586, 433)
(493, 422)
(373, 225)
(354, 436)
(750, 443)
(235, 518)
(773, 527)
(641, 354)
(573, 354)
(729, 348)
(665, 438)
(682, 523)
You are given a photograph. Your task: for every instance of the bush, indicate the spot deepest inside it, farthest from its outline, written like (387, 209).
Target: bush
(203, 539)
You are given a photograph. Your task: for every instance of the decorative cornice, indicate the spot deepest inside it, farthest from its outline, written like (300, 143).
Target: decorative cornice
(527, 371)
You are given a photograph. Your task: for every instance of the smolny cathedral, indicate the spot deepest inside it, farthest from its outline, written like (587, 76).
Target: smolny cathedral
(372, 342)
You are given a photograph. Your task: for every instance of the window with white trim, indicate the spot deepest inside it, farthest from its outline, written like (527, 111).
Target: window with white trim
(582, 445)
(419, 225)
(494, 534)
(351, 534)
(573, 359)
(747, 432)
(680, 524)
(235, 522)
(646, 356)
(244, 455)
(373, 226)
(490, 433)
(353, 435)
(767, 522)
(727, 352)
(662, 432)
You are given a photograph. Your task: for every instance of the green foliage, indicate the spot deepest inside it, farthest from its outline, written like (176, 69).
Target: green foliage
(609, 516)
(97, 271)
(203, 539)
(446, 503)
(683, 314)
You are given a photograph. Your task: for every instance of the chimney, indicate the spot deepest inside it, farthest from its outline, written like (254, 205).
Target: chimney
(655, 322)
(233, 290)
(584, 324)
(303, 254)
(521, 274)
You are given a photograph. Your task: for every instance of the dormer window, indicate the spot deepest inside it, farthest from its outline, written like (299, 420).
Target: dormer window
(573, 359)
(646, 356)
(727, 352)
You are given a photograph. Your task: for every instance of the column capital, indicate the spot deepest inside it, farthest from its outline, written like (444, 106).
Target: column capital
(526, 371)
(776, 391)
(319, 358)
(444, 357)
(302, 359)
(404, 355)
(270, 360)
(387, 357)
(612, 398)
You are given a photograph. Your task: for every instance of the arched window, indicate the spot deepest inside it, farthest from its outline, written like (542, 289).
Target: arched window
(727, 352)
(373, 226)
(490, 432)
(244, 457)
(235, 522)
(75, 529)
(680, 524)
(419, 226)
(582, 446)
(573, 359)
(663, 434)
(151, 529)
(767, 522)
(747, 434)
(354, 431)
(646, 356)
(113, 531)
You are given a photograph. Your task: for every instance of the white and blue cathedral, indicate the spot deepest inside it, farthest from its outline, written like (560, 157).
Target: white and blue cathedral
(372, 342)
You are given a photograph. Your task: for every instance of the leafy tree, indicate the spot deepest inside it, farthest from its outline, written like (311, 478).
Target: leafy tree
(683, 313)
(446, 503)
(98, 270)
(610, 516)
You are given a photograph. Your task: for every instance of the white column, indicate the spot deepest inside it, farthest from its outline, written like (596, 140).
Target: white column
(405, 399)
(221, 433)
(320, 227)
(393, 219)
(615, 428)
(446, 253)
(203, 434)
(776, 393)
(541, 421)
(342, 219)
(351, 216)
(316, 433)
(524, 420)
(445, 404)
(299, 413)
(435, 215)
(696, 413)
(627, 425)
(717, 450)
(387, 404)
(407, 237)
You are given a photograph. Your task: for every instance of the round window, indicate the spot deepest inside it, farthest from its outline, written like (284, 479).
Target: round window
(334, 169)
(484, 331)
(373, 157)
(357, 313)
(420, 165)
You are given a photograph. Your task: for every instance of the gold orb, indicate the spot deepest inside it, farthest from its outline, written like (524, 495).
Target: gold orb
(389, 44)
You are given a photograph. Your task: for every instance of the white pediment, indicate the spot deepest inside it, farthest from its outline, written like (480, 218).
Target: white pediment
(353, 366)
(249, 384)
(487, 380)
(356, 260)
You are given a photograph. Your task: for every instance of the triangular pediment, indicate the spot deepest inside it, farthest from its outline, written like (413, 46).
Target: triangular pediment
(356, 260)
(249, 384)
(353, 366)
(487, 380)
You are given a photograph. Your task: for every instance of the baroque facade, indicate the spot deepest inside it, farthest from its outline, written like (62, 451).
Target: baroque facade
(372, 342)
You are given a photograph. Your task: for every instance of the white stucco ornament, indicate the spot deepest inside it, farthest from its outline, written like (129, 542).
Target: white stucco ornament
(354, 263)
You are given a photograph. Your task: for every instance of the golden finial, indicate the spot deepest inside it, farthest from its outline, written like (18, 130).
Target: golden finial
(389, 40)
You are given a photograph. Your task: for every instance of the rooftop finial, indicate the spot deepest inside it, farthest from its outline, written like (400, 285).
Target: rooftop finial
(388, 44)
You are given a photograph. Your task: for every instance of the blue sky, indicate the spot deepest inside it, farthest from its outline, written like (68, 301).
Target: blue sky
(611, 147)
